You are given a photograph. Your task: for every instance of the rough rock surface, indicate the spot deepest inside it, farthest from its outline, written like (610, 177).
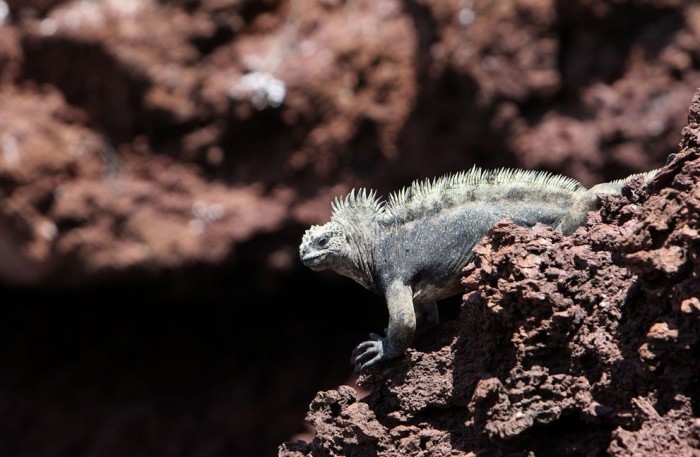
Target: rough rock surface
(580, 345)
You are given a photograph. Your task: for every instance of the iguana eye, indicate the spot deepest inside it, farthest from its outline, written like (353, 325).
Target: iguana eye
(323, 241)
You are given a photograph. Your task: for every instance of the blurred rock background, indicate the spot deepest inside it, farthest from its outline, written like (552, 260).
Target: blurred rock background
(160, 160)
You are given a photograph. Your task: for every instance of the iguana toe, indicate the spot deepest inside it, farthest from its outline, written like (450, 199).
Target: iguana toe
(369, 352)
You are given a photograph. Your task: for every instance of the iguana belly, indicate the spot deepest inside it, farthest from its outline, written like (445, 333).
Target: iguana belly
(425, 292)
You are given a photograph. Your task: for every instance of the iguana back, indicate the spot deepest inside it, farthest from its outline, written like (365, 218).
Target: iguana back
(426, 231)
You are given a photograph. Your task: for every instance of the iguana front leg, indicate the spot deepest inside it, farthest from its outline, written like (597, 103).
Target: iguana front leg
(399, 334)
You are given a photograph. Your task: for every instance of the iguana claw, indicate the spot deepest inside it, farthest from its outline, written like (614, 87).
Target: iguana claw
(369, 352)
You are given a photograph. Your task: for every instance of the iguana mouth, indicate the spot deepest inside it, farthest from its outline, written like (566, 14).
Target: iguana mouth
(314, 259)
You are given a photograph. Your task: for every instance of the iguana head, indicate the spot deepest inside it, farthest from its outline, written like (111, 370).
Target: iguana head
(324, 246)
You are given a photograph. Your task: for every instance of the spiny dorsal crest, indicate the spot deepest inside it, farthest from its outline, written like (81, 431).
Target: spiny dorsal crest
(647, 176)
(453, 189)
(362, 201)
(424, 196)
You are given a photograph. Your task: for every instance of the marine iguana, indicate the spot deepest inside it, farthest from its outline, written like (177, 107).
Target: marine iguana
(411, 249)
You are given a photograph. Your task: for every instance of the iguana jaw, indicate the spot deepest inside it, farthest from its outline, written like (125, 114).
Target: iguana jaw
(315, 260)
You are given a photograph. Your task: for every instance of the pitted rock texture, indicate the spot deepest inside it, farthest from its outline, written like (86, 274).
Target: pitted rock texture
(580, 345)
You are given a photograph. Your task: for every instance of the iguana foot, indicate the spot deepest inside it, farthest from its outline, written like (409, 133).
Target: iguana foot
(370, 352)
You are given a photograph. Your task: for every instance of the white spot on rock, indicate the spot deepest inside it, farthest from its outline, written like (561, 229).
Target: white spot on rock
(215, 211)
(10, 150)
(48, 27)
(4, 11)
(207, 213)
(48, 230)
(261, 88)
(465, 16)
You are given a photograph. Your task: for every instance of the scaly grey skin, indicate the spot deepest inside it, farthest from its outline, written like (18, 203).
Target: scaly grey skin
(411, 249)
